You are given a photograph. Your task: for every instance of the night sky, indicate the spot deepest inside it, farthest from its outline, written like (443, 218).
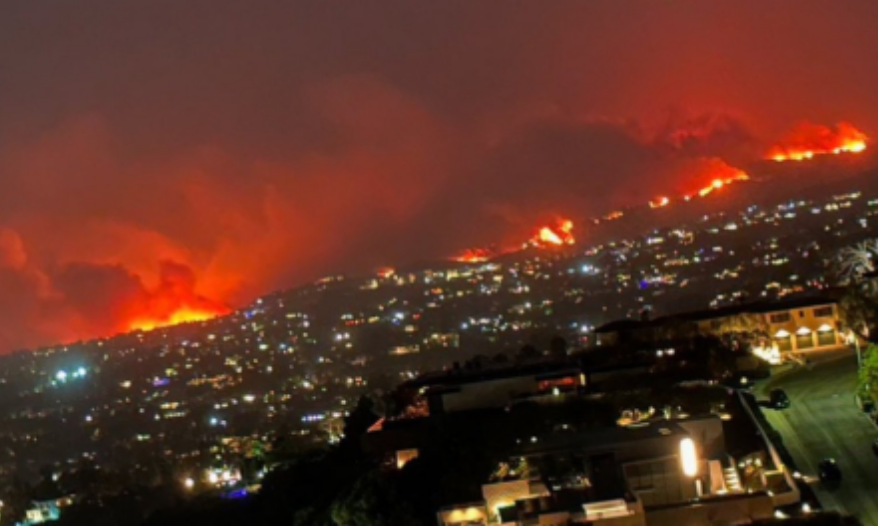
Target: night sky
(158, 154)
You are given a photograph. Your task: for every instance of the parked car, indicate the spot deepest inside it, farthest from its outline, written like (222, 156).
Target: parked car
(829, 470)
(778, 399)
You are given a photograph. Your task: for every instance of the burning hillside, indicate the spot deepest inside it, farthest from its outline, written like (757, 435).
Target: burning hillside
(808, 140)
(183, 314)
(561, 234)
(558, 235)
(474, 255)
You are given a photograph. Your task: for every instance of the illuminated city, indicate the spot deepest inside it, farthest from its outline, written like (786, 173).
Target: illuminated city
(454, 264)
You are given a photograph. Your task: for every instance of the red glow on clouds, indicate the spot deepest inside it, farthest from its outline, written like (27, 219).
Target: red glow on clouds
(808, 140)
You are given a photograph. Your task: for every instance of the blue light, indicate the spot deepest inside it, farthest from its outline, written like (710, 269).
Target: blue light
(237, 494)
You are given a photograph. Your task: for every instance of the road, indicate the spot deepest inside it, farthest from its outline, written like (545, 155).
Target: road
(824, 421)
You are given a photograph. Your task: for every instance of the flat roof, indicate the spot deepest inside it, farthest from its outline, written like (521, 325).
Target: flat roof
(757, 307)
(543, 369)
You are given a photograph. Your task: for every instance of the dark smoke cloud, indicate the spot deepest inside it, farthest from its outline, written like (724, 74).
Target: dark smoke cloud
(258, 145)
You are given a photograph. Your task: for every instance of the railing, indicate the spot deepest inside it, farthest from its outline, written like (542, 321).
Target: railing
(790, 497)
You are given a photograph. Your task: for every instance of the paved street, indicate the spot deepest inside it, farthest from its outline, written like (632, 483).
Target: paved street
(824, 421)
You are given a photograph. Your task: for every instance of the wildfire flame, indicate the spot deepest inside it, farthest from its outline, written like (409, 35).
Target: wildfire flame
(474, 255)
(808, 140)
(562, 234)
(181, 315)
(716, 184)
(548, 236)
(660, 202)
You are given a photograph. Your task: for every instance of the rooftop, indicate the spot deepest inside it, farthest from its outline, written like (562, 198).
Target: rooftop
(759, 307)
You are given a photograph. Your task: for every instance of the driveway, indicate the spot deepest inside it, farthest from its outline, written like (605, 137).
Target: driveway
(824, 421)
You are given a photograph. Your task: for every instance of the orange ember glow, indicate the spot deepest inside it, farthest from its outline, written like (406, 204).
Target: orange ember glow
(386, 272)
(562, 234)
(808, 140)
(660, 202)
(718, 183)
(473, 255)
(181, 315)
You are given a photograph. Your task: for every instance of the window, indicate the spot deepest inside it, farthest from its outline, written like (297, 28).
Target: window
(801, 314)
(820, 312)
(781, 317)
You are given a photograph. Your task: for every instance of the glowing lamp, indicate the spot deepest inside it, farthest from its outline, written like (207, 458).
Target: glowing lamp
(782, 334)
(825, 328)
(803, 331)
(688, 457)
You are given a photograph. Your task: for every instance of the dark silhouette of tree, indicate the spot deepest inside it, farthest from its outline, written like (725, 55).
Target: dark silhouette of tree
(375, 500)
(500, 358)
(558, 346)
(357, 423)
(529, 352)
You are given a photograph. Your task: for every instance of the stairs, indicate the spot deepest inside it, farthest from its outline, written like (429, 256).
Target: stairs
(733, 482)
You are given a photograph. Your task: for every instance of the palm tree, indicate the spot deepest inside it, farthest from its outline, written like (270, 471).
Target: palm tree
(851, 263)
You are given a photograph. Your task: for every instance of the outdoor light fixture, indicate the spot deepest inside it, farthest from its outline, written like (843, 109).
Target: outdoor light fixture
(688, 457)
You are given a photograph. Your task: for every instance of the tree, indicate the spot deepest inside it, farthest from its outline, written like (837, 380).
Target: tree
(528, 352)
(375, 500)
(858, 310)
(868, 375)
(851, 263)
(739, 331)
(357, 423)
(558, 346)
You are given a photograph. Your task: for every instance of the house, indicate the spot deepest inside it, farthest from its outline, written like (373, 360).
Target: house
(666, 473)
(454, 393)
(42, 511)
(498, 386)
(786, 326)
